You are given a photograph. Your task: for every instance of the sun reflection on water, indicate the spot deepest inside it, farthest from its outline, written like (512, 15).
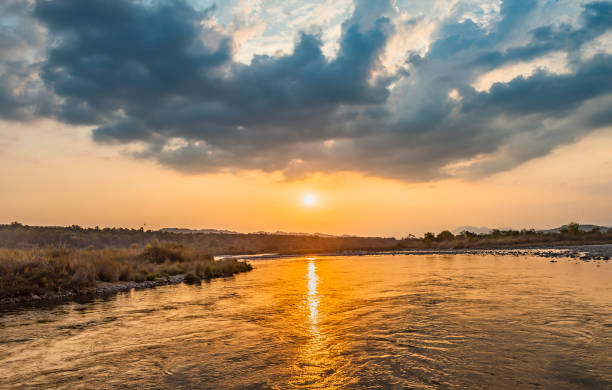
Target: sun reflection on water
(329, 323)
(313, 298)
(318, 364)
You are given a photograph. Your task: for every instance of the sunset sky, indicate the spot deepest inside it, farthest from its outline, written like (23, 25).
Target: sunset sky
(397, 117)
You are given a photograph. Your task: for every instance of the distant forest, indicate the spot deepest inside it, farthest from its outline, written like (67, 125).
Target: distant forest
(16, 235)
(21, 236)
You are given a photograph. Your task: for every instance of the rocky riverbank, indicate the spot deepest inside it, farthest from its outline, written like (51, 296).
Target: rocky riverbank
(579, 252)
(58, 273)
(582, 252)
(101, 288)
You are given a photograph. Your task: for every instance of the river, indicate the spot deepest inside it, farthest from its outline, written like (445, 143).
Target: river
(406, 321)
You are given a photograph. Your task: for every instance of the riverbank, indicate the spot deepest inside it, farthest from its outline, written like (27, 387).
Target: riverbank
(157, 267)
(52, 273)
(103, 288)
(580, 252)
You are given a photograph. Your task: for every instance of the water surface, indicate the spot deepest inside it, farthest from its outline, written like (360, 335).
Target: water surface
(423, 322)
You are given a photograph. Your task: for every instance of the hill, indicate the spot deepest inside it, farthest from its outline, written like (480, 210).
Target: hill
(473, 229)
(582, 227)
(196, 231)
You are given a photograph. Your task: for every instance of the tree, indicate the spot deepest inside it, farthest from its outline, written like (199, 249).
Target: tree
(445, 235)
(469, 235)
(573, 228)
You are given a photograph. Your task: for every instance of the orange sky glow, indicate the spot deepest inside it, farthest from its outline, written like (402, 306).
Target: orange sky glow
(375, 118)
(66, 179)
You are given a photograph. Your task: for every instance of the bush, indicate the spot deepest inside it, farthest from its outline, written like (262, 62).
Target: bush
(50, 271)
(126, 272)
(208, 272)
(158, 255)
(84, 275)
(151, 276)
(445, 236)
(191, 278)
(108, 270)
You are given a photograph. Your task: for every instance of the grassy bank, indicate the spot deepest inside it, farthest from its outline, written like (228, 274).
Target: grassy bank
(51, 271)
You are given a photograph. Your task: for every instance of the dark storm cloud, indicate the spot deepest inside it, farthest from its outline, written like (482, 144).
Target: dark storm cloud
(124, 56)
(545, 93)
(22, 95)
(150, 72)
(150, 76)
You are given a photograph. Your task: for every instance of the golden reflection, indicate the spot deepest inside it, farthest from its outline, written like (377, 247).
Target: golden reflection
(312, 297)
(315, 365)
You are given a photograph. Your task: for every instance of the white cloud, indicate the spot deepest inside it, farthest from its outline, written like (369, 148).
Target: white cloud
(553, 63)
(602, 44)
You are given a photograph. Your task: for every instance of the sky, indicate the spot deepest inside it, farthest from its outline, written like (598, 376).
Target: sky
(398, 117)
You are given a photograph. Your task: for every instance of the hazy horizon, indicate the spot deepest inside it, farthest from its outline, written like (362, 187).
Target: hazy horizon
(455, 230)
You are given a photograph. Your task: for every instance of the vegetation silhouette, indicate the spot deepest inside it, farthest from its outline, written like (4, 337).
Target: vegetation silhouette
(46, 261)
(52, 271)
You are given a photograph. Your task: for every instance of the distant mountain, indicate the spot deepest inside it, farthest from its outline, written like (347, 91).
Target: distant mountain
(281, 233)
(473, 229)
(196, 231)
(217, 231)
(584, 228)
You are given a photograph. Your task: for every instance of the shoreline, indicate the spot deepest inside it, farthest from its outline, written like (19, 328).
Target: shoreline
(580, 252)
(56, 273)
(104, 288)
(586, 253)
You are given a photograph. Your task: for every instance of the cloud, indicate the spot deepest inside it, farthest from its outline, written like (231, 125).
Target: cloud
(22, 94)
(164, 75)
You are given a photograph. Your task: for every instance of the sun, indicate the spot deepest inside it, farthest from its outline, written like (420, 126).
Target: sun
(309, 200)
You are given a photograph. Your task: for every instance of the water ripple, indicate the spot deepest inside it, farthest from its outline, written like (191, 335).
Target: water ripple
(423, 322)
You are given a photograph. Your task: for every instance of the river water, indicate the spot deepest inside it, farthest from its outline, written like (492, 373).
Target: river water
(423, 322)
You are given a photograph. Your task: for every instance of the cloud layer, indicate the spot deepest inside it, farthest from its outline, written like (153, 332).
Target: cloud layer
(408, 93)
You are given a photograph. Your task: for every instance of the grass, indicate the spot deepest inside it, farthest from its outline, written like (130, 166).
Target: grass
(51, 271)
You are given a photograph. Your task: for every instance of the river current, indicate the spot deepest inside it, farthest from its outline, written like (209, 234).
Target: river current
(397, 322)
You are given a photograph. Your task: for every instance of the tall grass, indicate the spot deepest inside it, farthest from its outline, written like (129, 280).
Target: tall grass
(51, 271)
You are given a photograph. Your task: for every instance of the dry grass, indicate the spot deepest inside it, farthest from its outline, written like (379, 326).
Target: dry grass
(52, 271)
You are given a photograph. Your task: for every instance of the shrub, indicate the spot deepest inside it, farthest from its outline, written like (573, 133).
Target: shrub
(158, 255)
(108, 270)
(49, 271)
(445, 236)
(126, 272)
(191, 278)
(151, 276)
(84, 275)
(208, 272)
